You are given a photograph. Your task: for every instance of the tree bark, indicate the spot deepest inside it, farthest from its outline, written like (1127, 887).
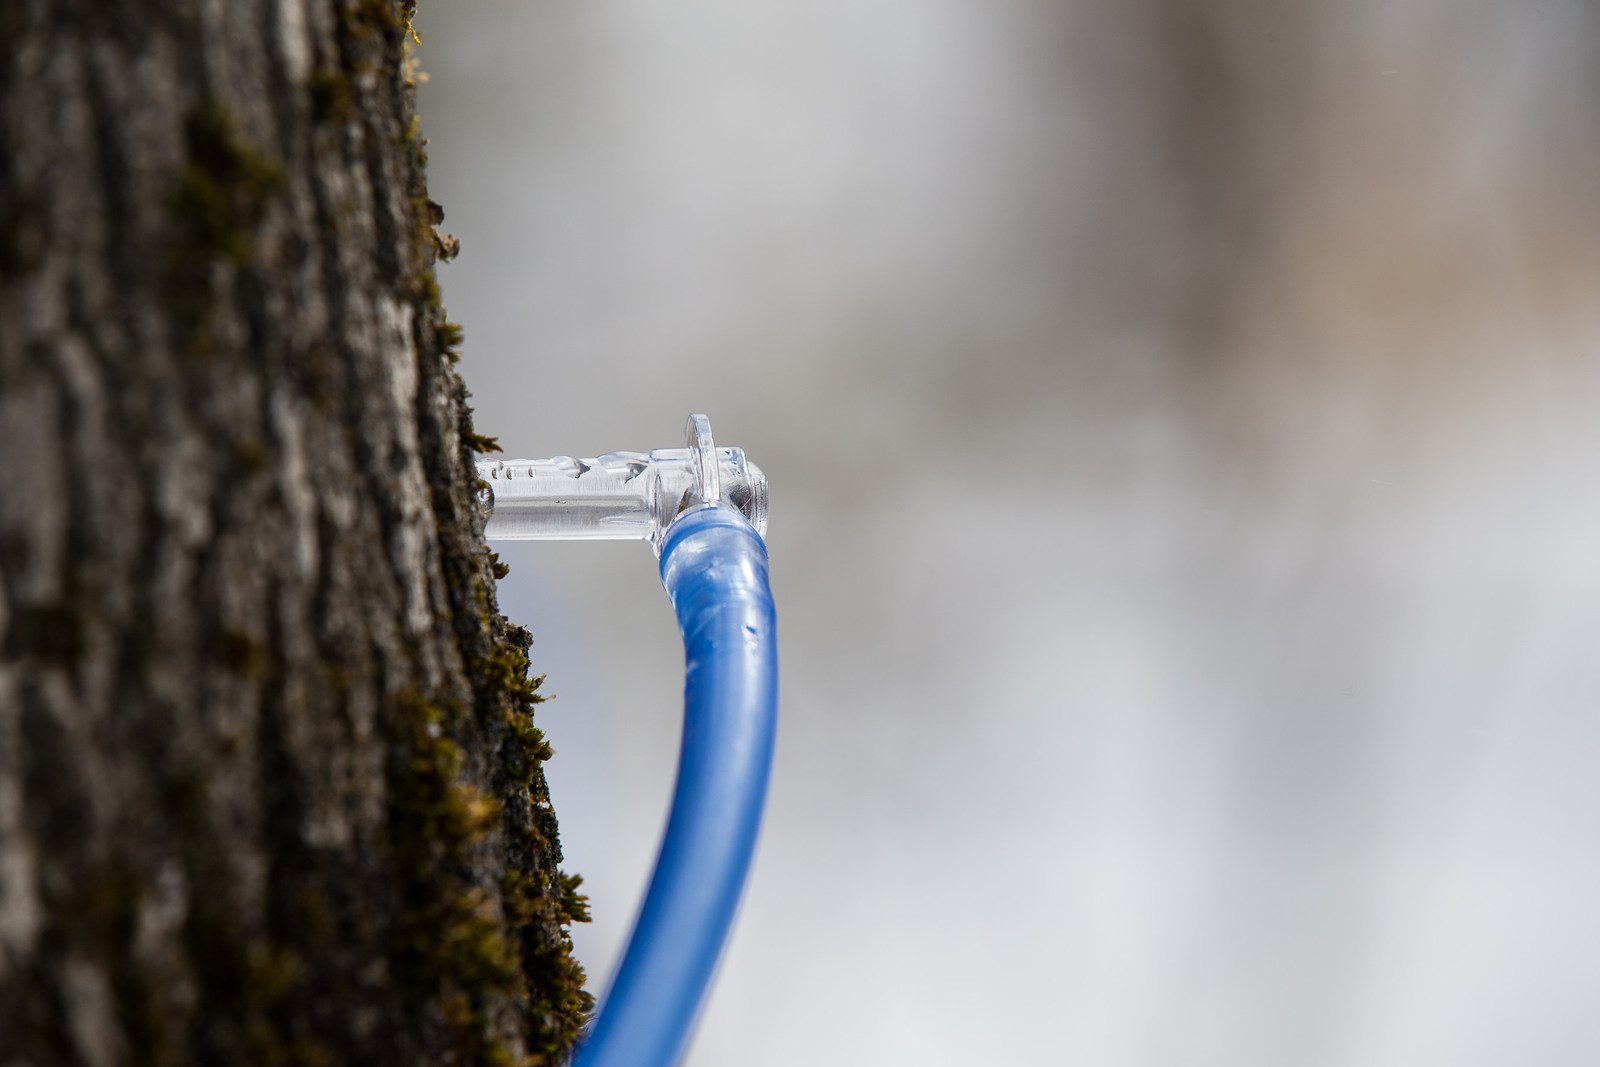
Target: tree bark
(270, 788)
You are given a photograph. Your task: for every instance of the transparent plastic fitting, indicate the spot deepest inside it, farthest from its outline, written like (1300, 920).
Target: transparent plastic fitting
(620, 496)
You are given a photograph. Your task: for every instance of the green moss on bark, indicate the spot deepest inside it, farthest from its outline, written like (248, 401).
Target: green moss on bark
(220, 201)
(224, 190)
(453, 950)
(472, 947)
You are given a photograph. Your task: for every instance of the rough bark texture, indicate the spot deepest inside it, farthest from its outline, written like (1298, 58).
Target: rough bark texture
(270, 789)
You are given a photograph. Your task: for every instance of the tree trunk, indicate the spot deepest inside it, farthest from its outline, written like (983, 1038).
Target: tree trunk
(270, 789)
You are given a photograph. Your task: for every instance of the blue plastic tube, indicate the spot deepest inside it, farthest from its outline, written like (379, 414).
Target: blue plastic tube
(714, 566)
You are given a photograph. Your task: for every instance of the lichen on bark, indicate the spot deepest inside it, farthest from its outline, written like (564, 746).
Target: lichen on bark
(270, 787)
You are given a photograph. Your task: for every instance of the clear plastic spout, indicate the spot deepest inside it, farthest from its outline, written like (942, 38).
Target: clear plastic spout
(620, 496)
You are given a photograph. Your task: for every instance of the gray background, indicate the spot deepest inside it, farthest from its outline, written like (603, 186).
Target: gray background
(1185, 526)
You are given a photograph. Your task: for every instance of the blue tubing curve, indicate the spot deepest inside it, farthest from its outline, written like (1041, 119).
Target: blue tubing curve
(714, 566)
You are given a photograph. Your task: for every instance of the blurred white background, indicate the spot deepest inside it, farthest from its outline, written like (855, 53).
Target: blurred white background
(1181, 422)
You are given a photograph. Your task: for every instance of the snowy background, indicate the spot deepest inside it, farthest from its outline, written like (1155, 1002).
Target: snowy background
(1181, 419)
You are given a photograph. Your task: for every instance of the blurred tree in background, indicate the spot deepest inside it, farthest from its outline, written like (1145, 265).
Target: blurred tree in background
(270, 789)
